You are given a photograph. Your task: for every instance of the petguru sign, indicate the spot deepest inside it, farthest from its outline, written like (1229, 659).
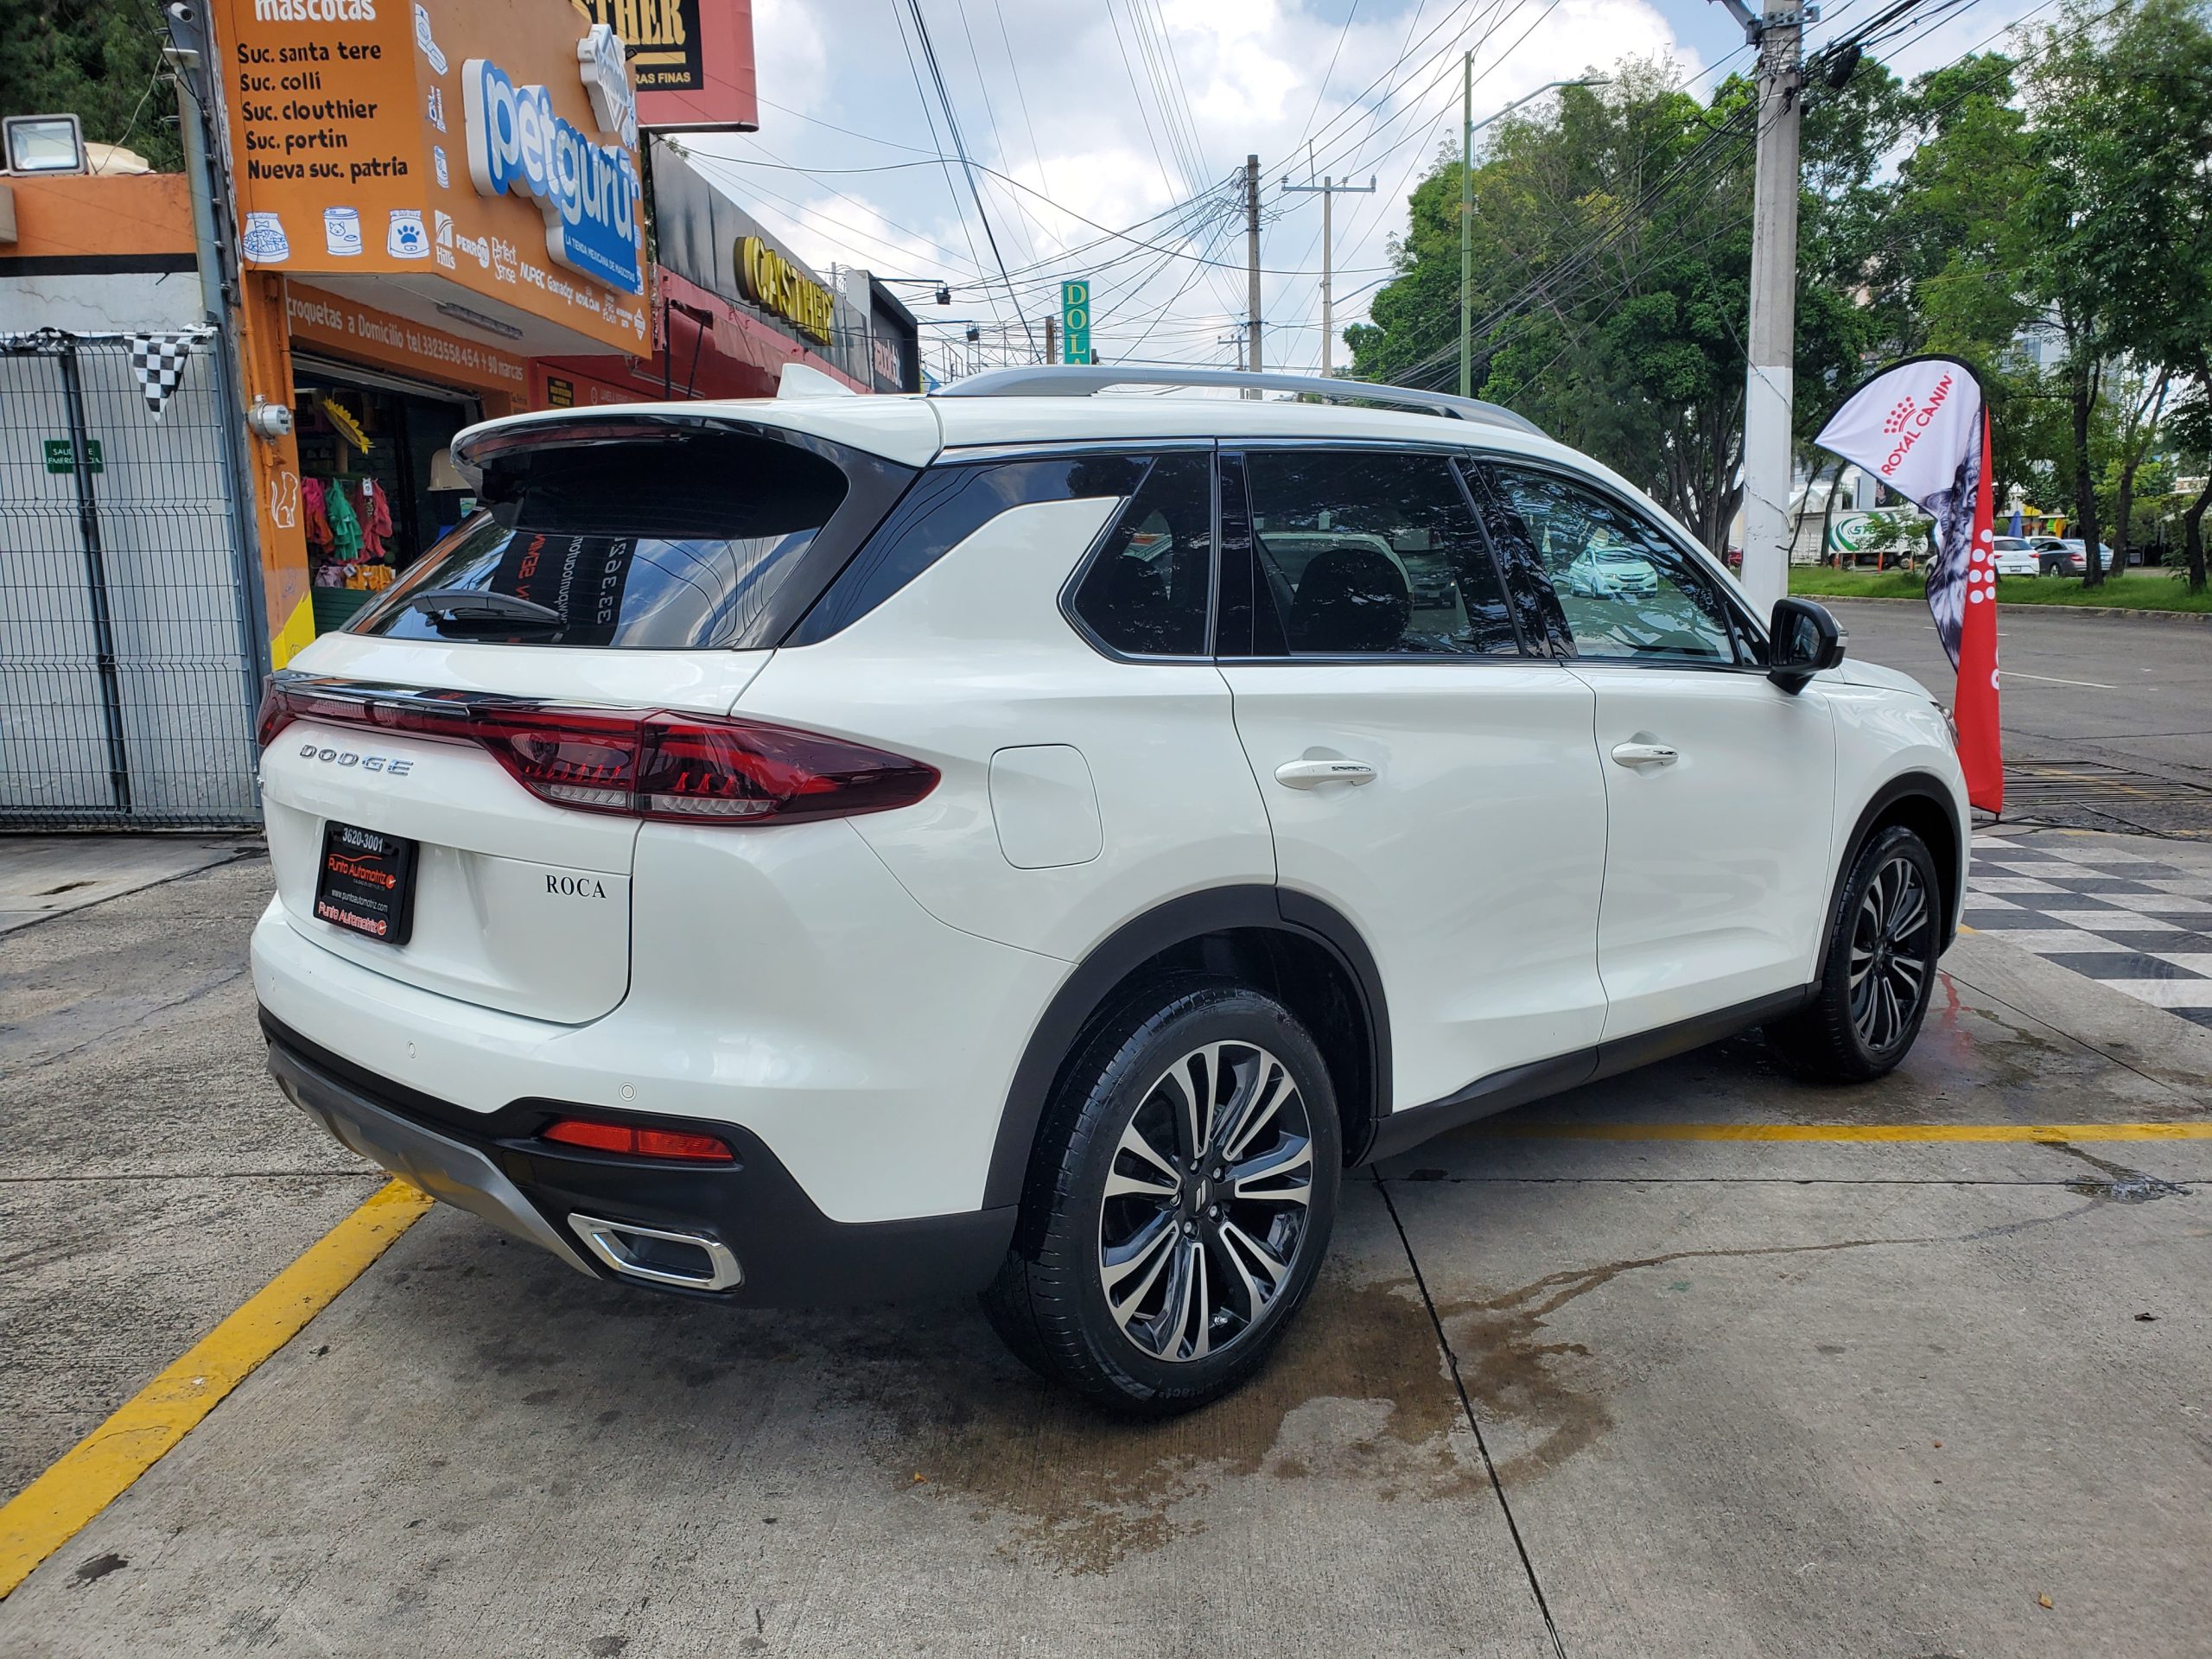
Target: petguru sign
(586, 189)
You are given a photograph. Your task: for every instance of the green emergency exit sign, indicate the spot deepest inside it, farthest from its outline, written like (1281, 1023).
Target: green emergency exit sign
(62, 455)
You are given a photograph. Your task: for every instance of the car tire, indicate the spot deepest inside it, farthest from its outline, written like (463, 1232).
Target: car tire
(1878, 970)
(1149, 1301)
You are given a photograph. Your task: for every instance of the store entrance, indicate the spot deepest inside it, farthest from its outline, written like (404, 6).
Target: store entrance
(377, 486)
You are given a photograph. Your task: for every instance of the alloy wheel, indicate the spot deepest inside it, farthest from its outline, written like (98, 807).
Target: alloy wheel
(1892, 955)
(1207, 1202)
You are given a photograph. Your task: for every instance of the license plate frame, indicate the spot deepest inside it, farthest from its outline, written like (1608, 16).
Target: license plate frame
(364, 882)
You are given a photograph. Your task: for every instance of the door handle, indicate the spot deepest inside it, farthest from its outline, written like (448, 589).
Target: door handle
(1643, 754)
(1312, 774)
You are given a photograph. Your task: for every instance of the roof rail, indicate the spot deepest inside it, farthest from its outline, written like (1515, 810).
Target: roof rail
(1081, 379)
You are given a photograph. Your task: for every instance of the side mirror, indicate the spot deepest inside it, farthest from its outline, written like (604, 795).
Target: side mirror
(1802, 639)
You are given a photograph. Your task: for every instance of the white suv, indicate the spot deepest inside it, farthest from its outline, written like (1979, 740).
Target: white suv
(843, 849)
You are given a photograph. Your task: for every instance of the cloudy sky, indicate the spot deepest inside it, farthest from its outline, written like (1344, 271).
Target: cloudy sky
(1113, 130)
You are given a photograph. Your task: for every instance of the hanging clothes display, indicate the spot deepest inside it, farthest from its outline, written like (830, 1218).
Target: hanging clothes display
(345, 527)
(313, 515)
(372, 496)
(376, 520)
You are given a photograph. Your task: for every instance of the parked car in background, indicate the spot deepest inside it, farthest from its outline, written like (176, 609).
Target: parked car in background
(2067, 555)
(1610, 572)
(871, 849)
(2017, 557)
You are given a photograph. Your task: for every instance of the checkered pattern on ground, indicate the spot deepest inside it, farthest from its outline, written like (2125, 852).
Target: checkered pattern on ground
(2122, 918)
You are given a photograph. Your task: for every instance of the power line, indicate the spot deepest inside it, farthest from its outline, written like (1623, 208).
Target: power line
(921, 97)
(1020, 93)
(960, 146)
(990, 111)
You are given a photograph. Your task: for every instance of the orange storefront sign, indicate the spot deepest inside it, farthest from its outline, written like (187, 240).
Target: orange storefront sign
(484, 151)
(353, 330)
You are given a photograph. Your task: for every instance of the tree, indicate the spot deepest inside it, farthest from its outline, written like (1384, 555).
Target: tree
(99, 59)
(1612, 241)
(2192, 431)
(2143, 405)
(2121, 100)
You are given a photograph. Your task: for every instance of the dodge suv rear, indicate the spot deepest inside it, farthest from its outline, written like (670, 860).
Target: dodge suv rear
(845, 848)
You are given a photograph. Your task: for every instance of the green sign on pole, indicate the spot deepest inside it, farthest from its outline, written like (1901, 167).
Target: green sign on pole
(1075, 322)
(62, 455)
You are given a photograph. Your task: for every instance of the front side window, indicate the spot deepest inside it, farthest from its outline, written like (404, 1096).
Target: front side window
(1364, 551)
(1629, 594)
(1146, 591)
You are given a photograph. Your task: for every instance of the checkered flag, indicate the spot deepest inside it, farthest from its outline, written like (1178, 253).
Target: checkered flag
(158, 360)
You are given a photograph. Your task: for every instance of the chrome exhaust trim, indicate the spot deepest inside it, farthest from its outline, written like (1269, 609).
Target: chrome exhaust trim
(615, 1243)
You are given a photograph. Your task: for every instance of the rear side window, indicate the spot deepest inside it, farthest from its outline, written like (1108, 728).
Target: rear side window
(1145, 591)
(946, 505)
(669, 544)
(1367, 551)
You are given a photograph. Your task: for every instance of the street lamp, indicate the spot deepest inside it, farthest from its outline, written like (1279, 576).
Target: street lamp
(1471, 127)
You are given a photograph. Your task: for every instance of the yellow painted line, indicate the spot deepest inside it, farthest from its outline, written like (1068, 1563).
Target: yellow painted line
(100, 1468)
(2045, 1133)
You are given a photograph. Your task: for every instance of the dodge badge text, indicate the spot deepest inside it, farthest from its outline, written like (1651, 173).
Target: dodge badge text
(385, 764)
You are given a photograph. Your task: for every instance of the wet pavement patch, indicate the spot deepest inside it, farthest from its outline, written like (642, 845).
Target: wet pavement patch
(2116, 1182)
(1355, 1392)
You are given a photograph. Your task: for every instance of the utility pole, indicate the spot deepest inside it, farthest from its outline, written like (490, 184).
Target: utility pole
(1779, 34)
(1467, 227)
(1052, 340)
(1252, 265)
(191, 58)
(1326, 189)
(1468, 127)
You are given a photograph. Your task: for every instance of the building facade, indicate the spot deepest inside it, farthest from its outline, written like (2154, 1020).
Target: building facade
(438, 214)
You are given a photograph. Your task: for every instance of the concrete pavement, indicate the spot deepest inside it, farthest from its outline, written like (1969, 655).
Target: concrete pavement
(1661, 1396)
(147, 1186)
(50, 875)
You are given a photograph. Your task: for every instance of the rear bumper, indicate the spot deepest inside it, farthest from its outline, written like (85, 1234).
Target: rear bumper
(448, 1170)
(785, 1252)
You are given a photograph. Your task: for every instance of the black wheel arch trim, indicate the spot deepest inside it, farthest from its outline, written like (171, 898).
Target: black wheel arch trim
(1084, 995)
(1908, 786)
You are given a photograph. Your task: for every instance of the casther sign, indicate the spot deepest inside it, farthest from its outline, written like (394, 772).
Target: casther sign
(587, 191)
(773, 283)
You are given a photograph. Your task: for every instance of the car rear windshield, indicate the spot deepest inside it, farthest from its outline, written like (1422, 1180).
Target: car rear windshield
(667, 544)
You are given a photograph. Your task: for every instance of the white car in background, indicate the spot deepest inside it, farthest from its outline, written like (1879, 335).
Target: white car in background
(2016, 556)
(1610, 572)
(844, 848)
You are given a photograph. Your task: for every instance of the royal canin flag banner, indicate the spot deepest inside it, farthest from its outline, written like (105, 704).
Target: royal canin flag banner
(1921, 427)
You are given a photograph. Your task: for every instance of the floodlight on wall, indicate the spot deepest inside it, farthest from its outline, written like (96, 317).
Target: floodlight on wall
(42, 144)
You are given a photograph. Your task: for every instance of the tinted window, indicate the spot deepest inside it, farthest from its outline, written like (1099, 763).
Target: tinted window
(1146, 592)
(649, 544)
(1628, 593)
(1364, 550)
(945, 506)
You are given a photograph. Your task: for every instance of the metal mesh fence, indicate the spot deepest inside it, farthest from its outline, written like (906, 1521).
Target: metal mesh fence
(126, 693)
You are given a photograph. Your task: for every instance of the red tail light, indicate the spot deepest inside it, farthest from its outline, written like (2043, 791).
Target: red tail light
(680, 768)
(635, 1142)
